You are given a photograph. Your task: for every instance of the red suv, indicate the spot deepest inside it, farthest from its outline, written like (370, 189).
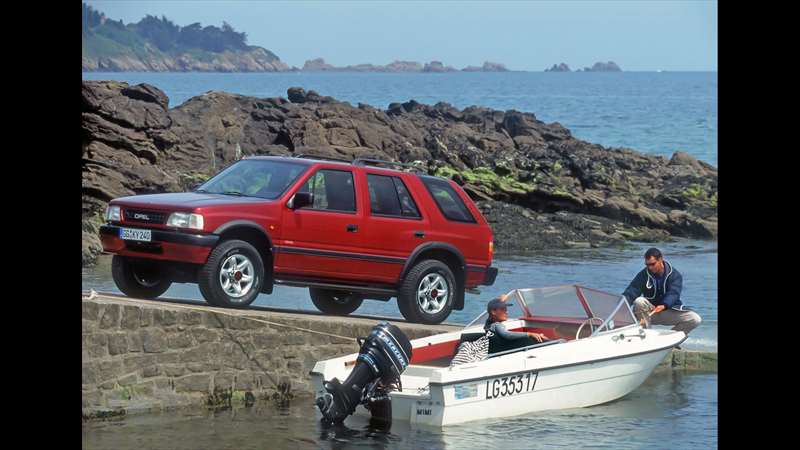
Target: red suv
(347, 230)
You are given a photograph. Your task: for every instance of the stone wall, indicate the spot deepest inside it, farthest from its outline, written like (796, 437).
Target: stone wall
(142, 355)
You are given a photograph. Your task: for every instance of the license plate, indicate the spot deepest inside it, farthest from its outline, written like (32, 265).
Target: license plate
(132, 234)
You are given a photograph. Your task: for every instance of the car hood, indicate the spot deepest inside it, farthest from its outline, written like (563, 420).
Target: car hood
(185, 201)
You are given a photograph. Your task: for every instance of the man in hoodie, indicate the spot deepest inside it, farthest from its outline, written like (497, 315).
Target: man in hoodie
(655, 293)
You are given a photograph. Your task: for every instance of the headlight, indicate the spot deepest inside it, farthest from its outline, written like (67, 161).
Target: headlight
(185, 220)
(113, 214)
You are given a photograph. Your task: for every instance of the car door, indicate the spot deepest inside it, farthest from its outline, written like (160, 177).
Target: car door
(395, 224)
(324, 239)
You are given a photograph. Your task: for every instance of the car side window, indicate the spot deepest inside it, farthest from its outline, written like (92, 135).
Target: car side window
(389, 196)
(448, 200)
(333, 190)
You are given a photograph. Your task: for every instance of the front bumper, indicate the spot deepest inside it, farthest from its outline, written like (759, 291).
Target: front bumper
(165, 245)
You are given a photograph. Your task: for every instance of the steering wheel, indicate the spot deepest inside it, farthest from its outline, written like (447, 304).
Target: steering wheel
(589, 321)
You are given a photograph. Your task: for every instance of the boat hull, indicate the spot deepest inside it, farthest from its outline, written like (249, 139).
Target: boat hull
(560, 377)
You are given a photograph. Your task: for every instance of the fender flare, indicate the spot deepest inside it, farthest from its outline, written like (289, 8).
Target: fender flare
(458, 303)
(269, 279)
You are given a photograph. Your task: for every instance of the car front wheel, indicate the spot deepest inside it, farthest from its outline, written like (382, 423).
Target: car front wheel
(233, 275)
(139, 279)
(427, 292)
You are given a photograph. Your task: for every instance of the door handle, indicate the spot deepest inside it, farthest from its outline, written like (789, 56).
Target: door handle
(352, 228)
(419, 234)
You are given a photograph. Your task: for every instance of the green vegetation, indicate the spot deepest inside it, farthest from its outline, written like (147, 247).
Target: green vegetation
(104, 37)
(694, 191)
(487, 177)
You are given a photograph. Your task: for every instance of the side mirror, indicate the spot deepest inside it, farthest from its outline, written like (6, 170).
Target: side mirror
(300, 199)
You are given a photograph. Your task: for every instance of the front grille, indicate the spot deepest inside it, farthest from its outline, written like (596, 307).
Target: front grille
(142, 216)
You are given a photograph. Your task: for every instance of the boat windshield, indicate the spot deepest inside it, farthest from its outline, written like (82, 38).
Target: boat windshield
(572, 304)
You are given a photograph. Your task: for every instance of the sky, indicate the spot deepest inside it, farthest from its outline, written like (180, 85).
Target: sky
(638, 35)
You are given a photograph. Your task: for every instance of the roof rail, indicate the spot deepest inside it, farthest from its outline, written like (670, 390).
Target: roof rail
(327, 158)
(365, 161)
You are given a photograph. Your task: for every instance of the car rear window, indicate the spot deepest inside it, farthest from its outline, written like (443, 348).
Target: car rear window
(448, 200)
(389, 196)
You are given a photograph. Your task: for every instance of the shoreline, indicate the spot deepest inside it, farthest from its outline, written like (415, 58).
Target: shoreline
(149, 355)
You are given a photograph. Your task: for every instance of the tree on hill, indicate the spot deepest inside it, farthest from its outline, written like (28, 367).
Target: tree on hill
(90, 18)
(164, 34)
(161, 32)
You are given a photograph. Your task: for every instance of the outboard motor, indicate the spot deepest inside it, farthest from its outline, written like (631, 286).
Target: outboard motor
(383, 356)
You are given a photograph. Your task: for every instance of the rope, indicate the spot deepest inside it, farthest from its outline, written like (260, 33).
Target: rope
(93, 295)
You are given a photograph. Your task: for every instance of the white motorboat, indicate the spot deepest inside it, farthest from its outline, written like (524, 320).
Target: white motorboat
(597, 353)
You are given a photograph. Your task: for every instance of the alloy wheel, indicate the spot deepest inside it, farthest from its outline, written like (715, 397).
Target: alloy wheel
(432, 293)
(237, 276)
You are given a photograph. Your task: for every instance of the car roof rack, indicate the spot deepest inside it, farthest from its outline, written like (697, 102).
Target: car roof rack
(365, 161)
(326, 158)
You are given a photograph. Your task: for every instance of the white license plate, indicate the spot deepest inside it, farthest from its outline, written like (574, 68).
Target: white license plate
(132, 234)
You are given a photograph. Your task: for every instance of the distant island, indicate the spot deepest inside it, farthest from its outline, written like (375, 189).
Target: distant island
(319, 65)
(559, 68)
(158, 45)
(610, 66)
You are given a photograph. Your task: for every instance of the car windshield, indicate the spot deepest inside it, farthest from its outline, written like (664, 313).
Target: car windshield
(261, 178)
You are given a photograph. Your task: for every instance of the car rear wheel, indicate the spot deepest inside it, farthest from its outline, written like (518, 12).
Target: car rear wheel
(427, 292)
(140, 279)
(338, 303)
(233, 275)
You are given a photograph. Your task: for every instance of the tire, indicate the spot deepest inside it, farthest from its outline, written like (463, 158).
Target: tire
(139, 279)
(338, 303)
(433, 275)
(232, 266)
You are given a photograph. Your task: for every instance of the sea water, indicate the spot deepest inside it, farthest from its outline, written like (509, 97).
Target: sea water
(669, 410)
(652, 112)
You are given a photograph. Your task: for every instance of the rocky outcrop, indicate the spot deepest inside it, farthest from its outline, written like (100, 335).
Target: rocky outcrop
(319, 65)
(536, 173)
(559, 68)
(610, 66)
(254, 59)
(438, 67)
(487, 67)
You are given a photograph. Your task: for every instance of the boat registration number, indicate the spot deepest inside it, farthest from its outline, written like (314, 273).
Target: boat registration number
(507, 386)
(132, 234)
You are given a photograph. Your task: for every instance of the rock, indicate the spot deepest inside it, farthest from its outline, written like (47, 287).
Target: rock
(315, 65)
(559, 68)
(148, 59)
(132, 144)
(437, 66)
(610, 66)
(487, 67)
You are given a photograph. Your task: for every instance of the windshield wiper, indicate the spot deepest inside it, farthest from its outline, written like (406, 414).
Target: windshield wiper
(236, 193)
(200, 190)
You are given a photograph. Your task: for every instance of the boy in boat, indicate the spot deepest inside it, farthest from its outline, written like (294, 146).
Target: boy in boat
(498, 313)
(655, 293)
(496, 338)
